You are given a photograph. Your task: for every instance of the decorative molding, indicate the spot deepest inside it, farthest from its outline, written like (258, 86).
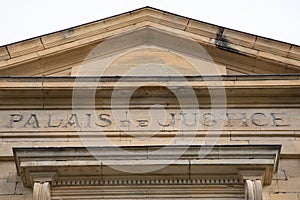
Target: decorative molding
(45, 90)
(185, 160)
(210, 35)
(77, 167)
(90, 182)
(42, 177)
(252, 183)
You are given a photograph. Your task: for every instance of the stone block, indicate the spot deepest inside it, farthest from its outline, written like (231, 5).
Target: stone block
(243, 50)
(294, 52)
(4, 54)
(280, 174)
(6, 168)
(272, 46)
(264, 135)
(239, 38)
(291, 167)
(140, 142)
(291, 185)
(28, 66)
(6, 188)
(58, 38)
(291, 148)
(232, 142)
(288, 149)
(174, 21)
(20, 189)
(73, 34)
(13, 177)
(202, 28)
(276, 58)
(284, 196)
(275, 66)
(293, 62)
(25, 47)
(90, 29)
(266, 196)
(273, 187)
(14, 197)
(57, 144)
(5, 152)
(119, 21)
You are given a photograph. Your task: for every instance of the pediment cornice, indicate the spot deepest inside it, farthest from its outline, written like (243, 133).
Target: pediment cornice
(223, 44)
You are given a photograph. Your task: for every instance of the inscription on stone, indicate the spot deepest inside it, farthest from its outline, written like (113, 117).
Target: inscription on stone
(143, 119)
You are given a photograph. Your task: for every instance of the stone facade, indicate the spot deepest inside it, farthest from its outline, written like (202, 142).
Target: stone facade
(139, 82)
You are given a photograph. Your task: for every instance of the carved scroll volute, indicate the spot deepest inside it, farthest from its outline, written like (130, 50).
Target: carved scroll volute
(41, 191)
(253, 190)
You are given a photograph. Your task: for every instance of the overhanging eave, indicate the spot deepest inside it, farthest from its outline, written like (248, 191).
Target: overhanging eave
(148, 162)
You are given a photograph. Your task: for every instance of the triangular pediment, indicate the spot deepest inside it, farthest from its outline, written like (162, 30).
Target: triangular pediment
(145, 37)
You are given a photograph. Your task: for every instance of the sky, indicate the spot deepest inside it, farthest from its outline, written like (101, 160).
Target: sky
(276, 19)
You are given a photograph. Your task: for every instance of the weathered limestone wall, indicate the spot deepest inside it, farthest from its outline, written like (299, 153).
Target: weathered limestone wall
(285, 185)
(11, 186)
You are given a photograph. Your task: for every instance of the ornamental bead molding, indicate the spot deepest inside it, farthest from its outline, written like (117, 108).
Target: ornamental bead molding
(207, 181)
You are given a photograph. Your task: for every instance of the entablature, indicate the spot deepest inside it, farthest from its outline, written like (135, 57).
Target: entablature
(252, 165)
(238, 90)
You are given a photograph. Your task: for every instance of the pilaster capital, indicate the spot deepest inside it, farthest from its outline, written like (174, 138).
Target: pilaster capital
(41, 191)
(253, 190)
(42, 177)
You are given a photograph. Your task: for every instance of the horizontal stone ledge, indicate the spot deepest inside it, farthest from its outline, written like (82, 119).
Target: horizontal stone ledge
(181, 160)
(150, 152)
(289, 148)
(230, 77)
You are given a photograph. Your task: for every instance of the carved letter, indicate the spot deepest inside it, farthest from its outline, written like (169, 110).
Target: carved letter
(172, 121)
(88, 123)
(102, 117)
(32, 122)
(73, 120)
(142, 122)
(233, 116)
(184, 119)
(227, 118)
(51, 125)
(256, 121)
(14, 118)
(277, 120)
(209, 119)
(124, 123)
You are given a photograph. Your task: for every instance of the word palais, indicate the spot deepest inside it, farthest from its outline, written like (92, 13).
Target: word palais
(149, 105)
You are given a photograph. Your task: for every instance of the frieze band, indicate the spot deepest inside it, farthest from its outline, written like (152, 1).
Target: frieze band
(142, 120)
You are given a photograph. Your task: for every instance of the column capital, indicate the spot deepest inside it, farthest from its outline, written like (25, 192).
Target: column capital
(42, 177)
(252, 174)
